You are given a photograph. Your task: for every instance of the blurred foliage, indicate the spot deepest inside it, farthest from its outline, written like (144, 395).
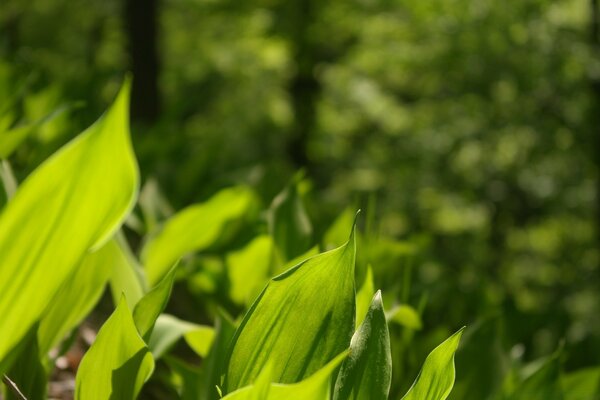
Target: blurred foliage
(468, 131)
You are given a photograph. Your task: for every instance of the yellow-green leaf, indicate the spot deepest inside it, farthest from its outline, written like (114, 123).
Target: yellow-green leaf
(301, 321)
(406, 316)
(195, 228)
(81, 195)
(169, 330)
(76, 298)
(315, 387)
(127, 277)
(248, 269)
(149, 307)
(117, 364)
(436, 379)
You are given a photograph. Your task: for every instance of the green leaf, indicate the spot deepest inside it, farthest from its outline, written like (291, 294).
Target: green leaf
(259, 389)
(82, 193)
(583, 384)
(200, 339)
(76, 298)
(315, 387)
(364, 296)
(367, 372)
(289, 224)
(117, 364)
(127, 277)
(406, 316)
(150, 306)
(248, 269)
(302, 320)
(195, 228)
(436, 379)
(169, 330)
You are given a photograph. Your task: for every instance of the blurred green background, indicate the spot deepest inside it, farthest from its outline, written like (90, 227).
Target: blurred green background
(467, 130)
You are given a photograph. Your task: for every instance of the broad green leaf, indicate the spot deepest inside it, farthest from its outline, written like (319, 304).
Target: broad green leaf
(259, 390)
(127, 277)
(248, 269)
(80, 194)
(289, 224)
(406, 316)
(302, 320)
(76, 298)
(195, 228)
(28, 372)
(364, 296)
(367, 372)
(117, 364)
(582, 384)
(543, 383)
(436, 379)
(169, 330)
(153, 303)
(200, 339)
(315, 387)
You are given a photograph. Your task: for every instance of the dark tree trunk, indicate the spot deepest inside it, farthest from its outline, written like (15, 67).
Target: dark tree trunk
(142, 33)
(304, 87)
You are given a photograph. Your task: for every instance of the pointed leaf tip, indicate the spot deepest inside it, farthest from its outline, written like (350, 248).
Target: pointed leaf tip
(377, 299)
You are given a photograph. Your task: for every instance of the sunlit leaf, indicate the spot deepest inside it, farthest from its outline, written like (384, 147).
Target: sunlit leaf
(315, 387)
(405, 315)
(195, 228)
(76, 297)
(169, 329)
(436, 379)
(302, 320)
(248, 269)
(149, 307)
(80, 194)
(367, 372)
(117, 364)
(127, 277)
